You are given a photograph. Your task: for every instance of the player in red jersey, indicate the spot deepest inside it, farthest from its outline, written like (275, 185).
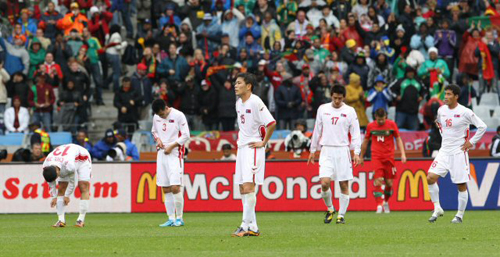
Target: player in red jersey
(382, 132)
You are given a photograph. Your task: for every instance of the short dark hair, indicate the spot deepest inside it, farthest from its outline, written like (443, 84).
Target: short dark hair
(50, 173)
(226, 147)
(453, 88)
(338, 89)
(249, 78)
(126, 79)
(158, 105)
(380, 112)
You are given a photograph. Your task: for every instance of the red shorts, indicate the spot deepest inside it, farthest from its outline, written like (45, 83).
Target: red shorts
(383, 168)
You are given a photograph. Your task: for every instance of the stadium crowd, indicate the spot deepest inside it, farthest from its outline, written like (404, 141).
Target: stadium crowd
(57, 57)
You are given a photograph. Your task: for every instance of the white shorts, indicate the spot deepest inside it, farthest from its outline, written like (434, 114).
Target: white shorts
(457, 165)
(250, 165)
(83, 173)
(335, 163)
(169, 169)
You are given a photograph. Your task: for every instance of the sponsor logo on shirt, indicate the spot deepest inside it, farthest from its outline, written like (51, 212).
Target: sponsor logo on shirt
(249, 111)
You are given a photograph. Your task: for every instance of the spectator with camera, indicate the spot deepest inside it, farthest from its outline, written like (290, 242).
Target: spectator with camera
(298, 140)
(130, 148)
(101, 149)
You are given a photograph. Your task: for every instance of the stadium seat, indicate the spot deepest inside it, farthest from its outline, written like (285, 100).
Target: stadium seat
(496, 112)
(492, 123)
(391, 113)
(369, 111)
(489, 99)
(13, 139)
(482, 112)
(60, 138)
(144, 141)
(474, 103)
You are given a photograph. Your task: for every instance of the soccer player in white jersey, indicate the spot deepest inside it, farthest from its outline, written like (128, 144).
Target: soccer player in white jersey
(68, 165)
(170, 131)
(453, 121)
(335, 121)
(256, 125)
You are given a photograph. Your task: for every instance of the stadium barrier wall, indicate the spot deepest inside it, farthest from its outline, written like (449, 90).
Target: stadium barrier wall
(208, 187)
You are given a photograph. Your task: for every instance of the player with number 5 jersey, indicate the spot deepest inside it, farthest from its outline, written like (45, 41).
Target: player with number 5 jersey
(68, 165)
(453, 121)
(336, 129)
(256, 125)
(170, 131)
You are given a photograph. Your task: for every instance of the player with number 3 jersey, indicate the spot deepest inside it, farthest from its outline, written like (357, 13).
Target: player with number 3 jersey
(170, 131)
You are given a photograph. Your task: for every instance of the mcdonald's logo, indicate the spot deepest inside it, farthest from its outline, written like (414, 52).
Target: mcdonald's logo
(150, 181)
(414, 182)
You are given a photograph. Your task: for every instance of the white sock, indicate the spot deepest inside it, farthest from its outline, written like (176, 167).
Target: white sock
(169, 206)
(60, 208)
(327, 198)
(179, 204)
(84, 207)
(463, 197)
(344, 203)
(434, 192)
(244, 225)
(250, 210)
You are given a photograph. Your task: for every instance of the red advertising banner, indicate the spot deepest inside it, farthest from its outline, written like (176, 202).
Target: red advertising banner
(289, 186)
(213, 141)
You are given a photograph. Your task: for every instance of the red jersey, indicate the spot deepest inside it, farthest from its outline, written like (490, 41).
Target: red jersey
(382, 138)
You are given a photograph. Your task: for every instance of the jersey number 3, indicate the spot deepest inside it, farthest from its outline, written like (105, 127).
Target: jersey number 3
(57, 152)
(164, 127)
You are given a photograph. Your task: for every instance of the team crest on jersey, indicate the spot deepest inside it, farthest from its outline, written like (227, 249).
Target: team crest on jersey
(343, 115)
(249, 111)
(457, 115)
(171, 121)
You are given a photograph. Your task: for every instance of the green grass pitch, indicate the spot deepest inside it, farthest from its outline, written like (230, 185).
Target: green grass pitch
(283, 234)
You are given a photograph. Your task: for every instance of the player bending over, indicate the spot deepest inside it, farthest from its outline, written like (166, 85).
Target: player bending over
(334, 122)
(72, 164)
(170, 131)
(453, 121)
(256, 125)
(382, 133)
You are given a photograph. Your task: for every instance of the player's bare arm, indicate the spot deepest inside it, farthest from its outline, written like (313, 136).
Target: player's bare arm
(364, 146)
(311, 158)
(269, 132)
(401, 148)
(171, 147)
(466, 146)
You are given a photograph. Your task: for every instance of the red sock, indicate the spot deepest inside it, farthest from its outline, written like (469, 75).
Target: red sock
(387, 193)
(377, 192)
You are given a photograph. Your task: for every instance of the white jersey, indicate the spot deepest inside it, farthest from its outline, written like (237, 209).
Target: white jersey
(253, 119)
(174, 128)
(68, 158)
(454, 127)
(333, 127)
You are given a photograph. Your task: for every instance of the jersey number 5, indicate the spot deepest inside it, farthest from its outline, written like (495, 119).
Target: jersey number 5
(64, 152)
(448, 122)
(334, 120)
(242, 119)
